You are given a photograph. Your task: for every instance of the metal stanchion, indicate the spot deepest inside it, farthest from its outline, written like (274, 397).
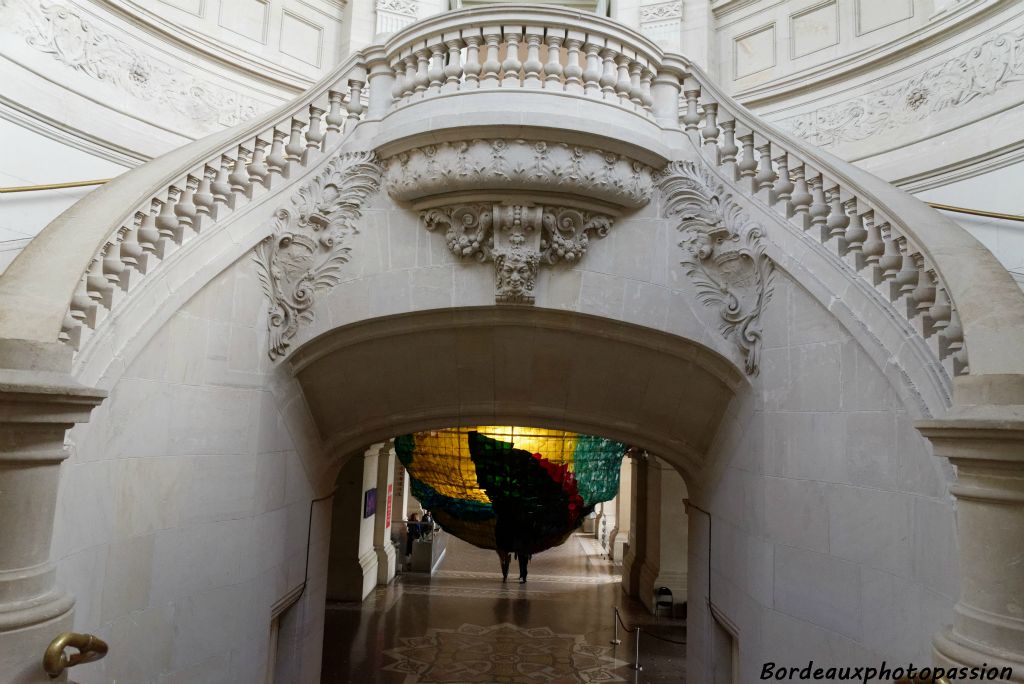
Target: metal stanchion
(615, 627)
(636, 638)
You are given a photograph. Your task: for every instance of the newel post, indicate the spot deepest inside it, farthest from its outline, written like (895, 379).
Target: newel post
(985, 442)
(37, 407)
(665, 91)
(381, 81)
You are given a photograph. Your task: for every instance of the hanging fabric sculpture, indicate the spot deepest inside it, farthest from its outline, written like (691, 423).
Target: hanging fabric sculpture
(510, 488)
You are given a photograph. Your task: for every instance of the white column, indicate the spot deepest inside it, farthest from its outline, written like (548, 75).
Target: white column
(36, 409)
(382, 545)
(986, 444)
(352, 568)
(618, 539)
(633, 559)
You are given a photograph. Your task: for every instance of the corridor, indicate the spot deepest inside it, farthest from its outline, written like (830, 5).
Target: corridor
(464, 625)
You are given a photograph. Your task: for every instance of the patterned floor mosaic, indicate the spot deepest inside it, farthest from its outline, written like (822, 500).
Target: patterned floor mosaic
(502, 653)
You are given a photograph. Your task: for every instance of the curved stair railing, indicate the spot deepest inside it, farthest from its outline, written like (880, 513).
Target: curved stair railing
(926, 266)
(930, 271)
(117, 236)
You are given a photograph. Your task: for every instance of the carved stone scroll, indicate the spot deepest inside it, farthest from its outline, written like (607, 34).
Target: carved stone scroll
(724, 253)
(517, 238)
(305, 254)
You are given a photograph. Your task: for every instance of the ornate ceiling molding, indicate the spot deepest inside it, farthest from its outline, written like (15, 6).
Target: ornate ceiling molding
(305, 254)
(517, 238)
(516, 165)
(984, 69)
(79, 42)
(724, 254)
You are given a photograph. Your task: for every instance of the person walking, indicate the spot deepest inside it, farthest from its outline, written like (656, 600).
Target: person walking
(505, 557)
(524, 560)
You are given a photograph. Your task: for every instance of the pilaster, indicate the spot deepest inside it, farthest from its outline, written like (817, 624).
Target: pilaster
(37, 407)
(986, 445)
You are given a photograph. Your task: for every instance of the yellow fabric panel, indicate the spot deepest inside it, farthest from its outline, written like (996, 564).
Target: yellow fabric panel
(442, 460)
(477, 532)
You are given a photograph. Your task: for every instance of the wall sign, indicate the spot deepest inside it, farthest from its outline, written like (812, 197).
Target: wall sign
(370, 502)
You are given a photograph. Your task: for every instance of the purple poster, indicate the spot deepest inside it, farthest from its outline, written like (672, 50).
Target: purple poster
(370, 502)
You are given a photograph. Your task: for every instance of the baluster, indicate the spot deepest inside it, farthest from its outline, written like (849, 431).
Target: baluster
(837, 220)
(83, 307)
(472, 67)
(784, 186)
(354, 106)
(765, 177)
(729, 149)
(70, 332)
(691, 120)
(940, 310)
(511, 65)
(435, 74)
(335, 118)
(801, 199)
(203, 197)
(748, 165)
(239, 177)
(532, 66)
(818, 211)
(149, 236)
(113, 267)
(167, 222)
(553, 68)
(315, 132)
(891, 261)
(573, 70)
(953, 337)
(97, 286)
(397, 89)
(131, 251)
(410, 77)
(276, 161)
(592, 73)
(492, 66)
(646, 97)
(221, 187)
(453, 70)
(636, 93)
(294, 149)
(623, 82)
(874, 246)
(608, 74)
(186, 209)
(711, 130)
(422, 79)
(855, 231)
(907, 278)
(258, 171)
(924, 294)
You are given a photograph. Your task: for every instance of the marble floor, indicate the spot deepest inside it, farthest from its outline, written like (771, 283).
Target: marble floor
(464, 625)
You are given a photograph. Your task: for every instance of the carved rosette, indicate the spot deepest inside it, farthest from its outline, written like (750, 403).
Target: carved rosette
(305, 254)
(519, 165)
(724, 253)
(517, 238)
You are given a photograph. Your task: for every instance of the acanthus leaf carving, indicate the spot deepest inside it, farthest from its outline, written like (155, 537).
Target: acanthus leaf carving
(306, 252)
(517, 238)
(724, 254)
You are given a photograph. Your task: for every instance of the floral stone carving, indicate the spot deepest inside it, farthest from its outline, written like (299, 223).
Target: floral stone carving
(305, 254)
(518, 238)
(724, 253)
(519, 165)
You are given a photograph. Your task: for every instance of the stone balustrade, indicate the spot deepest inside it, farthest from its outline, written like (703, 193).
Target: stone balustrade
(545, 48)
(820, 196)
(228, 176)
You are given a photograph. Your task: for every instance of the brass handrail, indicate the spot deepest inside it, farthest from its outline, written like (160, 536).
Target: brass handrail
(975, 212)
(90, 649)
(55, 186)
